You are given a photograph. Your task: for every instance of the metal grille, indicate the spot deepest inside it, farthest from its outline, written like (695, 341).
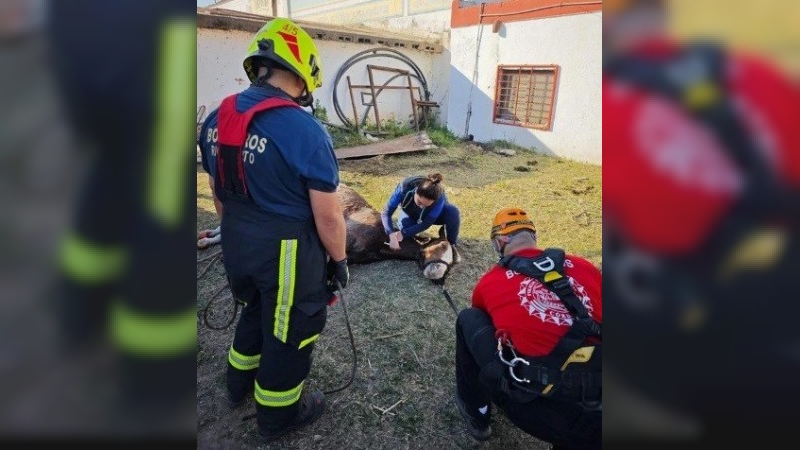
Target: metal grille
(524, 96)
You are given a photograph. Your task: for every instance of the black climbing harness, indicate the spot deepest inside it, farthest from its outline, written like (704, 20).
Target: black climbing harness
(572, 371)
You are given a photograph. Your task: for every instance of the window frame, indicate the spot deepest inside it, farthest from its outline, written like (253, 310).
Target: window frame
(496, 118)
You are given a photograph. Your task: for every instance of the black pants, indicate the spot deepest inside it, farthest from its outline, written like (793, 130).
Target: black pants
(123, 261)
(450, 219)
(566, 426)
(280, 275)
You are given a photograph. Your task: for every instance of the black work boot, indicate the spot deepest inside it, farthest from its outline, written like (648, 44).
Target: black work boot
(312, 405)
(478, 427)
(234, 402)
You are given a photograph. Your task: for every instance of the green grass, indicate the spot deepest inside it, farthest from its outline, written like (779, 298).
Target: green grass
(402, 324)
(390, 129)
(344, 139)
(441, 136)
(502, 143)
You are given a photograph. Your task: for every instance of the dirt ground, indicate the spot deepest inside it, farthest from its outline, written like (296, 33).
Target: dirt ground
(404, 330)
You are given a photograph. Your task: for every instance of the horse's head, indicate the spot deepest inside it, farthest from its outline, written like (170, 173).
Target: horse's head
(436, 257)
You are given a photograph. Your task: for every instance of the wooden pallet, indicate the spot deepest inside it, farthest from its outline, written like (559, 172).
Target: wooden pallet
(411, 143)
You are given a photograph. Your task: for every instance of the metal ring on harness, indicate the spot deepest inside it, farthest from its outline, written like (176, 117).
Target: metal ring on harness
(514, 361)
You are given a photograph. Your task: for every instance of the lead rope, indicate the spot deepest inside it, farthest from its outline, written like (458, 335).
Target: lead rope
(440, 281)
(447, 297)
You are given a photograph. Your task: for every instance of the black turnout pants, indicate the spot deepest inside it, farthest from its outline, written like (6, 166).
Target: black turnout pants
(280, 276)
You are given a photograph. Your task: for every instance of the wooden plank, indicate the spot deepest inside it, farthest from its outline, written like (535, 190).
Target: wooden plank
(411, 143)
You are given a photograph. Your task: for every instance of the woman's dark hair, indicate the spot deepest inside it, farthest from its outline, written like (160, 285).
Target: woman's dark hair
(431, 187)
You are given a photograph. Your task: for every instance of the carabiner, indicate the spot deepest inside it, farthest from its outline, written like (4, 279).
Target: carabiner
(513, 364)
(500, 353)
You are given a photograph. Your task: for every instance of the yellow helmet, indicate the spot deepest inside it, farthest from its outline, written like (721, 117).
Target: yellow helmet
(509, 220)
(282, 41)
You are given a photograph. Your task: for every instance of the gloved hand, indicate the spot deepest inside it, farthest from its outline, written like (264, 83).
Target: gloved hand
(337, 270)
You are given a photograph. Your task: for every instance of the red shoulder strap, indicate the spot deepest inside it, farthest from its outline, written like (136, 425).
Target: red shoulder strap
(233, 124)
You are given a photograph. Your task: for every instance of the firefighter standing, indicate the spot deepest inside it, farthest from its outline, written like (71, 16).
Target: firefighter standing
(545, 331)
(272, 166)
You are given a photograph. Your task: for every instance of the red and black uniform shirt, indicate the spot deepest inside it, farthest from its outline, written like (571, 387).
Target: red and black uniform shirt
(533, 316)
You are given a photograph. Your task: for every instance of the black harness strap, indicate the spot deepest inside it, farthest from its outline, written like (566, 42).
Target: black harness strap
(549, 269)
(695, 80)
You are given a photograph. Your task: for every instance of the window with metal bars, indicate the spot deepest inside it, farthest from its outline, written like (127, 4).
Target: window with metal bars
(525, 95)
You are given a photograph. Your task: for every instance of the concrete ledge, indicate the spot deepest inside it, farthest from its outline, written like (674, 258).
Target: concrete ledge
(225, 19)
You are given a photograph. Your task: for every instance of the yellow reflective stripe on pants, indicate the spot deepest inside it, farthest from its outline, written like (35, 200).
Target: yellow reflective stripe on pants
(308, 341)
(276, 399)
(243, 362)
(151, 335)
(89, 263)
(174, 121)
(286, 278)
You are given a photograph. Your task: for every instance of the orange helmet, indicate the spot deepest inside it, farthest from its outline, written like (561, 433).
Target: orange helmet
(509, 220)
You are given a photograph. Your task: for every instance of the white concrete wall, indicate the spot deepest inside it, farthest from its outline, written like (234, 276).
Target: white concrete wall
(263, 7)
(234, 5)
(220, 73)
(431, 25)
(571, 42)
(343, 12)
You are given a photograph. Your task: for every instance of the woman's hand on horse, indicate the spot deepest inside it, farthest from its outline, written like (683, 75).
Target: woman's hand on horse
(394, 243)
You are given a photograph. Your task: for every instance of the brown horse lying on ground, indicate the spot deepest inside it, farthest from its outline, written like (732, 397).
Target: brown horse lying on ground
(367, 242)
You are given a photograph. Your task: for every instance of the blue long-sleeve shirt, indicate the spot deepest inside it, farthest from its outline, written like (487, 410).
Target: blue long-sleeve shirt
(403, 196)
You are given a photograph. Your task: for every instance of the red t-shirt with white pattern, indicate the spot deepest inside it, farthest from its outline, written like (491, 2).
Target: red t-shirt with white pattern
(533, 316)
(668, 180)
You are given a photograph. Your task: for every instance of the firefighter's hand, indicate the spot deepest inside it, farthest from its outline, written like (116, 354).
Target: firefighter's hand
(338, 271)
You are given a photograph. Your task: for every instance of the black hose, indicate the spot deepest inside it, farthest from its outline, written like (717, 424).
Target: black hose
(373, 53)
(208, 307)
(337, 107)
(352, 343)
